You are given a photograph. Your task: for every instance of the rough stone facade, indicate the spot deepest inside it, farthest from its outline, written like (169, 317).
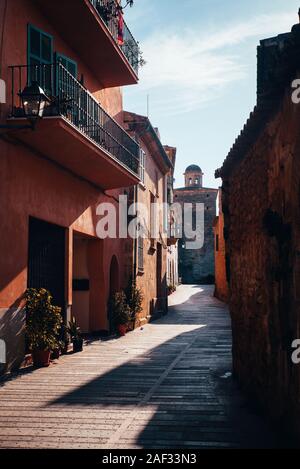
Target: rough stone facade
(221, 283)
(197, 266)
(261, 203)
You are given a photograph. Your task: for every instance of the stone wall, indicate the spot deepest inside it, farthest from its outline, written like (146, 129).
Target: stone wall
(197, 266)
(261, 203)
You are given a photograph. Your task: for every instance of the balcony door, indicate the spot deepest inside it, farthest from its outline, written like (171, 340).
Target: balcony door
(46, 259)
(40, 58)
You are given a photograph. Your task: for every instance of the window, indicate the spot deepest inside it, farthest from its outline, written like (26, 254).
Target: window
(40, 53)
(153, 215)
(68, 63)
(142, 165)
(196, 182)
(191, 181)
(140, 252)
(157, 183)
(165, 201)
(217, 243)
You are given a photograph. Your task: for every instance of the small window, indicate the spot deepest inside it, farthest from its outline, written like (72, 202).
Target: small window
(196, 182)
(140, 254)
(142, 165)
(191, 181)
(153, 215)
(157, 183)
(217, 243)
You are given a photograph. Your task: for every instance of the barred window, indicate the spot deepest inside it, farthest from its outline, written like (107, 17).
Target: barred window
(140, 254)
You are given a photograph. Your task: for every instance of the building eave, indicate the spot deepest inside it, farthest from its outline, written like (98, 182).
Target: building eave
(143, 127)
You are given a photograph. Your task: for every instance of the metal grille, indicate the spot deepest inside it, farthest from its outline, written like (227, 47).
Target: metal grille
(71, 100)
(107, 10)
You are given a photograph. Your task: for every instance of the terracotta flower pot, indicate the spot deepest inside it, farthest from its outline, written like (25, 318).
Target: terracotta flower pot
(122, 329)
(41, 358)
(130, 326)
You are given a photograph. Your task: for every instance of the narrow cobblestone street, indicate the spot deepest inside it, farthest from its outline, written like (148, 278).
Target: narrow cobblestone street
(167, 385)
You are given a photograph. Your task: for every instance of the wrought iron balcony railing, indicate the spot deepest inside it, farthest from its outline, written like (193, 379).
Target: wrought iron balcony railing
(68, 98)
(107, 10)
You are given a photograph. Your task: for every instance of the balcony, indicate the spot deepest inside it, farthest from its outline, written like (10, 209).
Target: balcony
(92, 32)
(75, 130)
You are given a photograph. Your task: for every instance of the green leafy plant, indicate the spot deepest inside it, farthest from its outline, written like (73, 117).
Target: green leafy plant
(74, 330)
(43, 322)
(120, 309)
(134, 297)
(171, 289)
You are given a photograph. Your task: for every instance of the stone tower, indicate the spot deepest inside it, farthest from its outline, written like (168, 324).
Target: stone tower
(198, 266)
(193, 176)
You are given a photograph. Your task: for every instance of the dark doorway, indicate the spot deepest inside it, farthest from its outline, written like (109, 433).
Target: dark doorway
(46, 259)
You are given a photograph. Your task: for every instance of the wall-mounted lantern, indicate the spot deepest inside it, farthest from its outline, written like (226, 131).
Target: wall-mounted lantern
(34, 100)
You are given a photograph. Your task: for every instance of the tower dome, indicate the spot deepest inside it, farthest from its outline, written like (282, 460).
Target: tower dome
(193, 168)
(193, 176)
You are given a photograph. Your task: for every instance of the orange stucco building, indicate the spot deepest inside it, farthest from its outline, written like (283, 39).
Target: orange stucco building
(78, 155)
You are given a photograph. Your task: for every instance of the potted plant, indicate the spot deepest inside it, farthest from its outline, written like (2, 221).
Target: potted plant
(134, 298)
(65, 340)
(43, 323)
(171, 289)
(75, 334)
(121, 312)
(55, 353)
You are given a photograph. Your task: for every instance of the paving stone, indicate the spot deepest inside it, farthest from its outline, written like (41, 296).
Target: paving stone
(165, 386)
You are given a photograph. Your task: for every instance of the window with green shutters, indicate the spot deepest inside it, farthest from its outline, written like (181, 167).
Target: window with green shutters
(40, 57)
(68, 63)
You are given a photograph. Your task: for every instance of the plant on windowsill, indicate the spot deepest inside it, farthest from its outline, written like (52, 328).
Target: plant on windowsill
(134, 298)
(43, 324)
(121, 312)
(75, 334)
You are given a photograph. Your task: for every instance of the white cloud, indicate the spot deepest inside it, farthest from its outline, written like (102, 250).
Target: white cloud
(184, 71)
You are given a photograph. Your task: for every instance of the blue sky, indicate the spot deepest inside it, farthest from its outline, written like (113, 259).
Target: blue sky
(201, 71)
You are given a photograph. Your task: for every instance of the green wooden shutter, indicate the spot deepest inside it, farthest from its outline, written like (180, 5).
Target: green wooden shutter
(40, 54)
(68, 63)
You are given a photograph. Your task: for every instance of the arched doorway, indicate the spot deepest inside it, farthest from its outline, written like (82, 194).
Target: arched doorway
(114, 287)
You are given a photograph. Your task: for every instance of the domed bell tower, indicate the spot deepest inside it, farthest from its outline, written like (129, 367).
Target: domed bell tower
(193, 176)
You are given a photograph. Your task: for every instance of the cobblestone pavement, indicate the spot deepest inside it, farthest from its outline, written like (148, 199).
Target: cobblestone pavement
(167, 385)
